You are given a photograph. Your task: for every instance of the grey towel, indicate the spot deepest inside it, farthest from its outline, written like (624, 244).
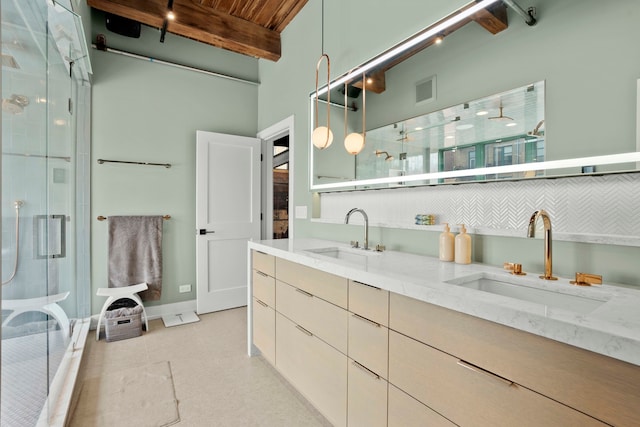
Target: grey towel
(135, 253)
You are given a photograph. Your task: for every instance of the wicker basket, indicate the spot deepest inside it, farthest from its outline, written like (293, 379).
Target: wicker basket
(123, 327)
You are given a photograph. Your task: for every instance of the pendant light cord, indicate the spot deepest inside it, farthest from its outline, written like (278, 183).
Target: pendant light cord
(322, 30)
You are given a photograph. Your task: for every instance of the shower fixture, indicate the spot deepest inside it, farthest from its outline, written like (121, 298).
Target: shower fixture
(15, 104)
(536, 131)
(9, 61)
(17, 205)
(388, 157)
(501, 117)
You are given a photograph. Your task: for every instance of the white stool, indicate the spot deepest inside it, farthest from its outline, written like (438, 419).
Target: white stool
(48, 305)
(120, 293)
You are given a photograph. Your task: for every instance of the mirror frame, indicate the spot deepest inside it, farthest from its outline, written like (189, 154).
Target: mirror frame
(418, 180)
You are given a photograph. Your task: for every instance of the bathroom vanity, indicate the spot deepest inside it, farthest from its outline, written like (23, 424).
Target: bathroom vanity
(395, 339)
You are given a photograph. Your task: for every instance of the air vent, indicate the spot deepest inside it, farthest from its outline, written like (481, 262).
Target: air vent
(426, 90)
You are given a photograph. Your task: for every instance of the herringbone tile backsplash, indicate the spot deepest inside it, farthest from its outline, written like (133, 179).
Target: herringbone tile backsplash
(607, 205)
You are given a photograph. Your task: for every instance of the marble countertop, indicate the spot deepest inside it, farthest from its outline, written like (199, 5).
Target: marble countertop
(612, 328)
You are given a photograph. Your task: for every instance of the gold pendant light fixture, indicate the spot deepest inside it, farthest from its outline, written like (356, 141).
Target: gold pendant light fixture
(322, 137)
(354, 142)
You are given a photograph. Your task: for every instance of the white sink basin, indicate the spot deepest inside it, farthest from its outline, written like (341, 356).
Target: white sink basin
(512, 287)
(353, 255)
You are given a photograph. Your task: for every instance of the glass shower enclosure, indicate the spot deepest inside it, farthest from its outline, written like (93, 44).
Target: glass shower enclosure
(44, 207)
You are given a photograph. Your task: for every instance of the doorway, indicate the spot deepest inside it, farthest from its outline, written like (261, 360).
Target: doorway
(280, 188)
(277, 180)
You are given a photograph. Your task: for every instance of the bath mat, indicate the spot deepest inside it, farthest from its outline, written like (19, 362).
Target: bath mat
(179, 319)
(141, 396)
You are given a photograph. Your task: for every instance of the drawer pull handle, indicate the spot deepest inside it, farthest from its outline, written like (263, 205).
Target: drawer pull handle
(370, 286)
(366, 370)
(261, 303)
(304, 331)
(364, 319)
(484, 372)
(305, 293)
(261, 273)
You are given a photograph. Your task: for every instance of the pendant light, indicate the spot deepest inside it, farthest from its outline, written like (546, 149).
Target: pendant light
(322, 137)
(354, 142)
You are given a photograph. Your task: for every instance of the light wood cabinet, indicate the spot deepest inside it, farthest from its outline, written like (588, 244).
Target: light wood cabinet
(263, 262)
(369, 302)
(264, 287)
(405, 411)
(469, 395)
(365, 356)
(367, 404)
(325, 320)
(605, 388)
(324, 285)
(316, 369)
(264, 329)
(263, 304)
(369, 344)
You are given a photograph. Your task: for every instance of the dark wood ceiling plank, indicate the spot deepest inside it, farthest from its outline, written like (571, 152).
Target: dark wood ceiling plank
(293, 9)
(200, 23)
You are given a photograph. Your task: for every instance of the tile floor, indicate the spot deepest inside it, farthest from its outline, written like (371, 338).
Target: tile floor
(216, 383)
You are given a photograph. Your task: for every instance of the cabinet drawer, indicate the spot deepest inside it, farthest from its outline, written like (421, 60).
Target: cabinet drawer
(369, 344)
(369, 302)
(317, 370)
(603, 387)
(327, 321)
(264, 288)
(264, 330)
(405, 411)
(469, 396)
(264, 262)
(327, 286)
(367, 397)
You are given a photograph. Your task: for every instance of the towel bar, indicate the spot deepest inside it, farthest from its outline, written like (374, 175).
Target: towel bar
(102, 218)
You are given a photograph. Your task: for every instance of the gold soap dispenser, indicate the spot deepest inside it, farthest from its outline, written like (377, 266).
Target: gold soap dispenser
(463, 246)
(446, 244)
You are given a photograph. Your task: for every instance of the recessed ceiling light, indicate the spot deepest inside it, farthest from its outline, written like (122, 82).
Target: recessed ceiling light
(511, 124)
(482, 113)
(464, 127)
(418, 128)
(449, 137)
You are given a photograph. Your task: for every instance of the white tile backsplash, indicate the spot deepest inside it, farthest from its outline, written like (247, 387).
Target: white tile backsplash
(596, 209)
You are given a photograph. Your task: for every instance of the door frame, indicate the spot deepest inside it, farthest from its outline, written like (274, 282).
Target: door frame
(268, 135)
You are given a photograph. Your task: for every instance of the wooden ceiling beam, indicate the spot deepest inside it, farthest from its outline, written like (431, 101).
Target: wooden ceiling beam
(200, 23)
(493, 19)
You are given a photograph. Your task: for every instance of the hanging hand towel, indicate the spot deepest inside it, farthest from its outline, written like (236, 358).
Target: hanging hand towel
(135, 253)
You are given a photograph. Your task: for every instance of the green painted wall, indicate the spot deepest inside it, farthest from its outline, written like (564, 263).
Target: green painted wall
(150, 112)
(591, 78)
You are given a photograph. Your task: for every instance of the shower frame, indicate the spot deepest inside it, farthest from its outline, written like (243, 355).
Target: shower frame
(45, 163)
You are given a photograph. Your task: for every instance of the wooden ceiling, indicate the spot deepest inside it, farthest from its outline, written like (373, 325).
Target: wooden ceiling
(248, 27)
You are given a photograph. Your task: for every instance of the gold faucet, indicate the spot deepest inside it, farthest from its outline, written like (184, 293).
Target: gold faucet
(548, 275)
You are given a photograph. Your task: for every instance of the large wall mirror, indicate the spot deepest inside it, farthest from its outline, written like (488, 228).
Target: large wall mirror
(497, 99)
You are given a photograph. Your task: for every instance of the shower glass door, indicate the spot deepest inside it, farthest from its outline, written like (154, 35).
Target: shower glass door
(44, 186)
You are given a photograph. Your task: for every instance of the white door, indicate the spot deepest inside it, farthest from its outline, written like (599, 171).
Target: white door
(227, 216)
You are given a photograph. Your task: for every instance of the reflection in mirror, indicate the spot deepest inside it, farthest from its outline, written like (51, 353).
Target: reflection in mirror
(589, 104)
(498, 130)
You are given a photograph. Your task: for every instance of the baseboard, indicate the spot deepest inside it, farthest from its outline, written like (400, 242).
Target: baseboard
(157, 311)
